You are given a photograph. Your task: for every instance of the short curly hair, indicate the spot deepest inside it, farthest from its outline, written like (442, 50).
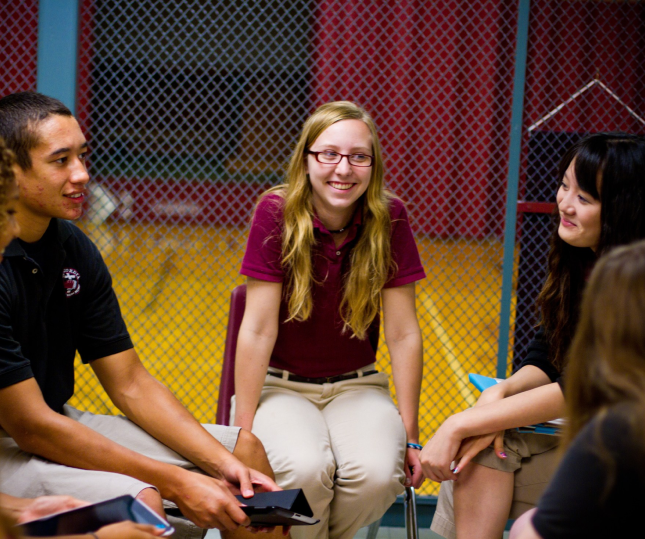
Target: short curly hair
(7, 179)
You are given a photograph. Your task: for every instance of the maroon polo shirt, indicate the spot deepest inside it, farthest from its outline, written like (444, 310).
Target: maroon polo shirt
(317, 347)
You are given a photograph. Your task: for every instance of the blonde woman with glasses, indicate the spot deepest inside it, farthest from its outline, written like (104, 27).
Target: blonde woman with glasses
(324, 251)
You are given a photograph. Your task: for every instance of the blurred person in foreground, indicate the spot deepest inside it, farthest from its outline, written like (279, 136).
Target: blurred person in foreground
(599, 488)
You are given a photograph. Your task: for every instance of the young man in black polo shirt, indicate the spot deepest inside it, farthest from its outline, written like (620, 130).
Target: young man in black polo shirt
(56, 297)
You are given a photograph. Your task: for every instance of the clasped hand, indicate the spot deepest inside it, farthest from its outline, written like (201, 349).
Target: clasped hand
(448, 452)
(445, 448)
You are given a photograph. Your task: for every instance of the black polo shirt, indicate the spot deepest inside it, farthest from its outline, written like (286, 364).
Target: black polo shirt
(51, 308)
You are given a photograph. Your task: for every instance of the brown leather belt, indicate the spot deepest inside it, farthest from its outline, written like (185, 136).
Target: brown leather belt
(323, 379)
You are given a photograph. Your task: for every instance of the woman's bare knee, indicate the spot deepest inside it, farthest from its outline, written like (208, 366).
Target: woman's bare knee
(250, 451)
(152, 499)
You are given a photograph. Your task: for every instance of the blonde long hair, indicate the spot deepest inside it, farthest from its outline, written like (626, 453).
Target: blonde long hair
(371, 260)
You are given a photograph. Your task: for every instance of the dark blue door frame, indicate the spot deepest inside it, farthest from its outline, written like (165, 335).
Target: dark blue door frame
(510, 221)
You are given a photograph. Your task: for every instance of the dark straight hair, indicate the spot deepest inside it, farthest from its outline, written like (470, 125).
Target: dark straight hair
(20, 115)
(611, 168)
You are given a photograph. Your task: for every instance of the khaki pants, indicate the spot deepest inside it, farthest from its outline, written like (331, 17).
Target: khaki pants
(28, 476)
(342, 443)
(533, 459)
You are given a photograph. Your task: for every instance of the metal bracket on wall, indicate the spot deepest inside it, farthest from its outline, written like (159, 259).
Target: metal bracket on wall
(577, 94)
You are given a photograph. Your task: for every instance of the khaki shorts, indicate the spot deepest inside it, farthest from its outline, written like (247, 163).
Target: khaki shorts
(532, 457)
(28, 476)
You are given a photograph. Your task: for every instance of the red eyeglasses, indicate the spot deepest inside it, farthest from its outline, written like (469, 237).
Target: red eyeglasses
(327, 157)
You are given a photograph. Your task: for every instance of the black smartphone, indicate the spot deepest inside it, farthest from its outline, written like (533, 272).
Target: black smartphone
(277, 516)
(92, 517)
(279, 508)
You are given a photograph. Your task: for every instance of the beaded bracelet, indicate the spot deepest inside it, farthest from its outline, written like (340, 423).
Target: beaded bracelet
(415, 446)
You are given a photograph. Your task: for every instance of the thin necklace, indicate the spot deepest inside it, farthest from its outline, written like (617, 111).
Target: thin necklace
(337, 231)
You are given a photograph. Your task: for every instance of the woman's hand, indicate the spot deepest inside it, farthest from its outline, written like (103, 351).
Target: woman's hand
(448, 445)
(412, 466)
(128, 530)
(439, 453)
(48, 505)
(472, 446)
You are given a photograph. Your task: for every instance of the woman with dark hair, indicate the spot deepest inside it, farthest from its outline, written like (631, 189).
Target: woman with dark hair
(599, 206)
(599, 487)
(325, 251)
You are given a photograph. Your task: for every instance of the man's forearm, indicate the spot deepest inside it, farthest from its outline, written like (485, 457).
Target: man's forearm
(149, 404)
(37, 429)
(58, 438)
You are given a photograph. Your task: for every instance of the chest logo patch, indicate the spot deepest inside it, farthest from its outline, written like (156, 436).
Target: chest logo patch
(71, 283)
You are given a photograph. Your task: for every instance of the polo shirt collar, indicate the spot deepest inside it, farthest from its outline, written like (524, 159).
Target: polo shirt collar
(62, 233)
(357, 220)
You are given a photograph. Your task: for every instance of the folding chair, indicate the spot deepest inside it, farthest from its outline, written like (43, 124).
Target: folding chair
(227, 381)
(227, 390)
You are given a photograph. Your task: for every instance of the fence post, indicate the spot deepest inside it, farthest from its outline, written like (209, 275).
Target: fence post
(515, 149)
(58, 50)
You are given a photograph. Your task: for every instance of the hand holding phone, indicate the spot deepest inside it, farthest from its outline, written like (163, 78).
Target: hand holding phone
(279, 508)
(91, 518)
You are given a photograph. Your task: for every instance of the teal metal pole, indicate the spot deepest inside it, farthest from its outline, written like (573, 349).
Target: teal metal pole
(58, 50)
(515, 149)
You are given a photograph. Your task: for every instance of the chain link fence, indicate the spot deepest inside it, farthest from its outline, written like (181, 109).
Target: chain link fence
(18, 45)
(192, 108)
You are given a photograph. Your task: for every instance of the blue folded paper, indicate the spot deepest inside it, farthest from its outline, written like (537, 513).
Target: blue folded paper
(482, 382)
